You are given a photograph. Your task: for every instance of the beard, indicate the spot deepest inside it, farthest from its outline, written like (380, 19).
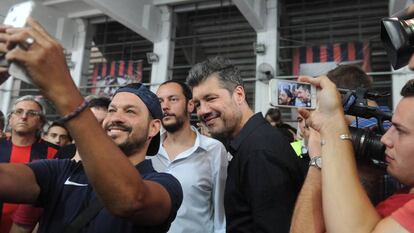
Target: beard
(177, 125)
(227, 127)
(174, 127)
(134, 141)
(133, 144)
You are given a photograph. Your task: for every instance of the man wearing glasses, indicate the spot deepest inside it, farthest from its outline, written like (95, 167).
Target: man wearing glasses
(26, 121)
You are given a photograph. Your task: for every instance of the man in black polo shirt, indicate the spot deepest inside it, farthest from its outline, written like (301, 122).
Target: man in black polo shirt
(264, 175)
(113, 169)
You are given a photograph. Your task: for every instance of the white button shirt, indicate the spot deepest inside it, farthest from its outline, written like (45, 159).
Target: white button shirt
(202, 172)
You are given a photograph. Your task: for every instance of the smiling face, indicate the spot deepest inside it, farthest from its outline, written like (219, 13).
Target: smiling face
(129, 124)
(399, 142)
(284, 98)
(174, 106)
(217, 108)
(25, 118)
(303, 94)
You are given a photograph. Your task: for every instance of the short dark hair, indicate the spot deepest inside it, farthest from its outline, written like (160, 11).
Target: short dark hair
(349, 77)
(58, 124)
(228, 74)
(305, 87)
(274, 114)
(99, 102)
(184, 87)
(408, 89)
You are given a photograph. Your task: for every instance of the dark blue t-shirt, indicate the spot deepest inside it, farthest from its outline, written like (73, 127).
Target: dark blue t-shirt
(65, 192)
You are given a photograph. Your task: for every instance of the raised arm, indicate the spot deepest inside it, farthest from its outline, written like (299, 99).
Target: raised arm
(346, 206)
(308, 214)
(113, 177)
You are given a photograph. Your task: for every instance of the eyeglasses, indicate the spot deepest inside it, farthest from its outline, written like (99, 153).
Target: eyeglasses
(30, 113)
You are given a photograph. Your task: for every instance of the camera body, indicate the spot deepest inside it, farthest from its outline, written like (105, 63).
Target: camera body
(367, 143)
(397, 35)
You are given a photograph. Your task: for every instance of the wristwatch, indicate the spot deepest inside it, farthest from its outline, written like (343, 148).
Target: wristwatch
(316, 161)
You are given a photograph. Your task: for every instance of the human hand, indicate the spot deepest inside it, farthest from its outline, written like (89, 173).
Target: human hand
(4, 74)
(329, 109)
(43, 60)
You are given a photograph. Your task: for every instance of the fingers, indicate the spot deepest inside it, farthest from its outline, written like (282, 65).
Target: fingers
(304, 113)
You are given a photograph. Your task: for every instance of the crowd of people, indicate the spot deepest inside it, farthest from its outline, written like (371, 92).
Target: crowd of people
(135, 163)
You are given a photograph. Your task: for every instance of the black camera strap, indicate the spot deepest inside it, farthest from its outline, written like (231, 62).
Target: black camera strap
(84, 217)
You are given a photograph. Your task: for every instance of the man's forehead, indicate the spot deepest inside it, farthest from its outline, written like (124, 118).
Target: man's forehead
(404, 114)
(169, 89)
(210, 86)
(27, 104)
(126, 98)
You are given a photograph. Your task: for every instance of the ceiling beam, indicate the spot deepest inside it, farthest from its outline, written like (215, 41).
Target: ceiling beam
(253, 11)
(173, 2)
(140, 16)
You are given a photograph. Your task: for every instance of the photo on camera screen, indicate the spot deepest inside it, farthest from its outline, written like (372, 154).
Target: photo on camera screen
(285, 93)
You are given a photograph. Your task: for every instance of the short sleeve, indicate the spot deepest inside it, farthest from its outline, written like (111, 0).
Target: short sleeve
(405, 216)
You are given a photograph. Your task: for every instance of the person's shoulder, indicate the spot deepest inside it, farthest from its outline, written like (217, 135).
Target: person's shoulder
(210, 143)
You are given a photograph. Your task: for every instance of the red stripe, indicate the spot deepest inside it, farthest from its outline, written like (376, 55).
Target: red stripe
(95, 77)
(366, 64)
(323, 54)
(295, 65)
(139, 71)
(337, 52)
(112, 70)
(130, 71)
(103, 72)
(351, 51)
(121, 68)
(309, 55)
(51, 152)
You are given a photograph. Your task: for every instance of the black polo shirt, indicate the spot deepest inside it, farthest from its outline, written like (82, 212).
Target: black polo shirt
(66, 192)
(264, 178)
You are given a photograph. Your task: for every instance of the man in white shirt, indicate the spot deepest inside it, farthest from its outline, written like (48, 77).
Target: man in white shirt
(197, 161)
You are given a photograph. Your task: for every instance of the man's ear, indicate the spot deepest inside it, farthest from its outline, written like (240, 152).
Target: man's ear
(190, 106)
(154, 128)
(239, 95)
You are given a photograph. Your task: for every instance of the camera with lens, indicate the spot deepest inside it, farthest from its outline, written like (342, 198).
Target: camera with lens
(397, 35)
(366, 143)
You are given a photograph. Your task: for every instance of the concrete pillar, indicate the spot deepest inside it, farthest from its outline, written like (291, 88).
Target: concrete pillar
(268, 37)
(164, 48)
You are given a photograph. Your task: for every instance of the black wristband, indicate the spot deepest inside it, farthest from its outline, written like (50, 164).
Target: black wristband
(75, 113)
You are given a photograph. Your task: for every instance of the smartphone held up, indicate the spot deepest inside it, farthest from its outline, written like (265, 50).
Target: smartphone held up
(286, 93)
(17, 17)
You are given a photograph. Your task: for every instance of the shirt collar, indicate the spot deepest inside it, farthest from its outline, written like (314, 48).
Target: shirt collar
(202, 144)
(254, 121)
(145, 166)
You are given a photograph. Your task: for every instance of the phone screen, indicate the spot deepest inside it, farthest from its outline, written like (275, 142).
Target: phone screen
(286, 93)
(17, 17)
(18, 14)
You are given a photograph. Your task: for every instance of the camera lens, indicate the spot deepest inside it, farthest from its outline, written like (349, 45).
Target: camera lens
(367, 144)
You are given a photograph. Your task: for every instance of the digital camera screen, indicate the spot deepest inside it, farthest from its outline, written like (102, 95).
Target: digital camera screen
(294, 94)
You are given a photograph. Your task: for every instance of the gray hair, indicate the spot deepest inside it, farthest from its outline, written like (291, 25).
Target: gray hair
(227, 73)
(34, 99)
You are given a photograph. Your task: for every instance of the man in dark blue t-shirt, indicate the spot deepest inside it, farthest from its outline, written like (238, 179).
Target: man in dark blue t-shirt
(135, 198)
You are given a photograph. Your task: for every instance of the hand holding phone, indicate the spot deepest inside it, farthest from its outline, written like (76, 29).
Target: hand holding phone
(285, 93)
(17, 17)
